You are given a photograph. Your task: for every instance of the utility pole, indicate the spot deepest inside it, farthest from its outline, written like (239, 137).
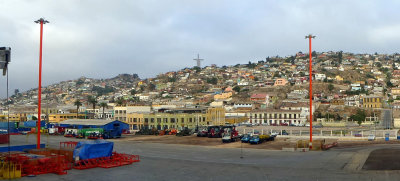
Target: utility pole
(311, 94)
(198, 60)
(41, 21)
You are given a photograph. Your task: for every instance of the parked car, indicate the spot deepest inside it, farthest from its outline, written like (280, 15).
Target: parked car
(371, 137)
(202, 132)
(257, 139)
(245, 138)
(284, 132)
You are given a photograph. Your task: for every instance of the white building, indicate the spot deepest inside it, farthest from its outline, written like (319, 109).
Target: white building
(320, 77)
(276, 117)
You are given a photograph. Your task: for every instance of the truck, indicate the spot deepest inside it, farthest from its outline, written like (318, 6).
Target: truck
(257, 139)
(202, 132)
(229, 134)
(52, 131)
(91, 133)
(70, 132)
(214, 132)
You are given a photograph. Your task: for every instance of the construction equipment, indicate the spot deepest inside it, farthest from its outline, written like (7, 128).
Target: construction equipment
(202, 132)
(94, 135)
(214, 132)
(230, 134)
(71, 132)
(184, 132)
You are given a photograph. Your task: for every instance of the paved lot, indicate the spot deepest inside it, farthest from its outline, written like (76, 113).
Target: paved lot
(383, 159)
(189, 162)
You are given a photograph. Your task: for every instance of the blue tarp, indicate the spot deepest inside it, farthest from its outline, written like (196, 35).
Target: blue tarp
(5, 125)
(5, 130)
(93, 149)
(32, 124)
(20, 148)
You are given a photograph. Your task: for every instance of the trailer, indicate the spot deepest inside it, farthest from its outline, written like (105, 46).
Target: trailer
(93, 133)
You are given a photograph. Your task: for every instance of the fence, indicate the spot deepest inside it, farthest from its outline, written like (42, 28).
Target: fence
(322, 133)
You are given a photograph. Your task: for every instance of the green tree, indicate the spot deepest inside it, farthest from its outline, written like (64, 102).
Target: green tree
(16, 91)
(133, 92)
(79, 82)
(120, 101)
(236, 89)
(359, 117)
(314, 54)
(197, 69)
(171, 79)
(331, 87)
(389, 84)
(213, 80)
(340, 57)
(78, 104)
(104, 105)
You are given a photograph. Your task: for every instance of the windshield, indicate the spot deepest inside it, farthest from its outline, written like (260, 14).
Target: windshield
(255, 136)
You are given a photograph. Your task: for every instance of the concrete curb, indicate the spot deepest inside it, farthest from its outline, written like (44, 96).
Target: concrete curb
(358, 160)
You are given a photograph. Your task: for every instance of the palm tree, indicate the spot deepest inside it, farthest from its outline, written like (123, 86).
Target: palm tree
(92, 100)
(78, 104)
(120, 101)
(103, 105)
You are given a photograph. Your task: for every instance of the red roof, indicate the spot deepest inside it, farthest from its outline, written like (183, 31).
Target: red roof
(258, 96)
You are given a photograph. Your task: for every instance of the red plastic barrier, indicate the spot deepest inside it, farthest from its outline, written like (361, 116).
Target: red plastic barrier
(328, 146)
(53, 164)
(68, 144)
(4, 138)
(116, 160)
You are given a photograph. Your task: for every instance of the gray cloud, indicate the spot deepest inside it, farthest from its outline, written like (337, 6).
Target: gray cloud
(101, 39)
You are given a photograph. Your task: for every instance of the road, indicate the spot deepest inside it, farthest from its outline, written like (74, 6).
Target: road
(187, 162)
(387, 118)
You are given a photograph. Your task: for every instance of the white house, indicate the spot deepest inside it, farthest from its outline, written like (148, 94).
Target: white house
(320, 77)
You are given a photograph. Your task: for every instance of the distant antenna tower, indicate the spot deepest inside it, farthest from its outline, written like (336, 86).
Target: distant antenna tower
(198, 60)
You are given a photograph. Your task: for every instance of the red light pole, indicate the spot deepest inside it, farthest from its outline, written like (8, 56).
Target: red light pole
(41, 21)
(311, 95)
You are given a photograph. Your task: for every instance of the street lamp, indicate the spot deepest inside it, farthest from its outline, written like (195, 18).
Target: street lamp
(311, 95)
(41, 21)
(5, 58)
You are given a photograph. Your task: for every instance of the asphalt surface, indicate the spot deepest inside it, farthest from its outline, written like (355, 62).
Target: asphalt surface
(383, 159)
(387, 119)
(187, 162)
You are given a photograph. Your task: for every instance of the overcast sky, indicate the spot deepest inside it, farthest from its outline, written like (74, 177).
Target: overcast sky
(103, 38)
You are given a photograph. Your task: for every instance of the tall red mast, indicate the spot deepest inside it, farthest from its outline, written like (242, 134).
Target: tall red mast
(310, 92)
(41, 21)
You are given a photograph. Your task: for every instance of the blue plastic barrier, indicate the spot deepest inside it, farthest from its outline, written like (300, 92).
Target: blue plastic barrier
(20, 147)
